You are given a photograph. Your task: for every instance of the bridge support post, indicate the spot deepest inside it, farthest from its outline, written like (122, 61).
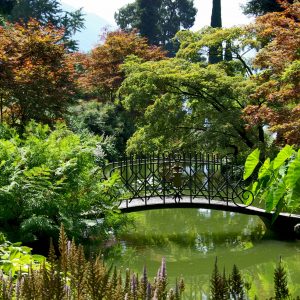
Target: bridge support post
(284, 226)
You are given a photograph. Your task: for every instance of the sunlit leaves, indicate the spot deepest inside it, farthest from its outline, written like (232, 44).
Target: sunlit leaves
(35, 79)
(282, 156)
(293, 173)
(264, 168)
(173, 100)
(100, 70)
(49, 177)
(278, 80)
(15, 258)
(278, 180)
(251, 163)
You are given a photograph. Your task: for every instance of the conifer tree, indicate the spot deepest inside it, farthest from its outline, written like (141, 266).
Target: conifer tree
(158, 20)
(280, 283)
(218, 284)
(261, 7)
(149, 19)
(236, 284)
(216, 15)
(215, 53)
(46, 12)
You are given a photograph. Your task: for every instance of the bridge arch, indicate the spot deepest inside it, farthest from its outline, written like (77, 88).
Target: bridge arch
(190, 181)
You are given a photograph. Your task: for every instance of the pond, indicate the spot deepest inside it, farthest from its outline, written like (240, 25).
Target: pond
(191, 239)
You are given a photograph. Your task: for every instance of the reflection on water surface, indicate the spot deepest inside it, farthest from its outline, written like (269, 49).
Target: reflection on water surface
(191, 239)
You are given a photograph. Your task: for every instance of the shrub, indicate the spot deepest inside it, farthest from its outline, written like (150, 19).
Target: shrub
(49, 177)
(72, 276)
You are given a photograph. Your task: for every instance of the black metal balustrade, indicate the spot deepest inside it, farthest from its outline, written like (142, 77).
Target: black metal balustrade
(177, 176)
(192, 180)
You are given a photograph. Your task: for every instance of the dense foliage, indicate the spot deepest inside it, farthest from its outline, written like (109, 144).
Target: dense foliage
(152, 103)
(104, 119)
(158, 20)
(278, 180)
(100, 72)
(45, 12)
(49, 177)
(276, 99)
(261, 7)
(185, 103)
(36, 80)
(72, 276)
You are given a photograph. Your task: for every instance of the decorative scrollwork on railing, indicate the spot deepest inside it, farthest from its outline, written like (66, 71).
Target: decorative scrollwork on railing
(178, 175)
(246, 197)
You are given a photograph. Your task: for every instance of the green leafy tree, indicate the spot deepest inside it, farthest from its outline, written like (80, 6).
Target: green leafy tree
(53, 177)
(103, 119)
(185, 103)
(158, 22)
(261, 7)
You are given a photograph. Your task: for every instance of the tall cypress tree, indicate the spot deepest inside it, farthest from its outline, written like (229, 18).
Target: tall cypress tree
(216, 15)
(215, 52)
(149, 16)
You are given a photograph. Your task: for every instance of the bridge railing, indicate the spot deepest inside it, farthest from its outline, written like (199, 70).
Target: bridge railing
(176, 176)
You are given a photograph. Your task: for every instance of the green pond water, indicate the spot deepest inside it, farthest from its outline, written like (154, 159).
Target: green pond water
(191, 239)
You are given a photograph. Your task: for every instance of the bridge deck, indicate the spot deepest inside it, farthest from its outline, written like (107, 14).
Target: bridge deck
(284, 223)
(185, 202)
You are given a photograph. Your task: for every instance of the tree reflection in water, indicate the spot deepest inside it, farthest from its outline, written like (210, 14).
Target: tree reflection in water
(190, 239)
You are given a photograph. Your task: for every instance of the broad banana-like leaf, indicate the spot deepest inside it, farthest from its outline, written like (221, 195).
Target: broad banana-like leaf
(285, 153)
(251, 163)
(278, 194)
(293, 172)
(265, 168)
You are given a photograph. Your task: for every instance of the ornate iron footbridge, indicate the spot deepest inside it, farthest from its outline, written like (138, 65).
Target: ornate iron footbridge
(189, 180)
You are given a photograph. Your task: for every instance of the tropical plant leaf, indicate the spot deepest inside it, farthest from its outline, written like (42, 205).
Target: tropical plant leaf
(278, 194)
(294, 200)
(268, 198)
(293, 172)
(254, 187)
(265, 168)
(251, 163)
(279, 208)
(284, 154)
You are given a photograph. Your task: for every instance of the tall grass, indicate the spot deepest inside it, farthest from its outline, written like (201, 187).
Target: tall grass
(70, 276)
